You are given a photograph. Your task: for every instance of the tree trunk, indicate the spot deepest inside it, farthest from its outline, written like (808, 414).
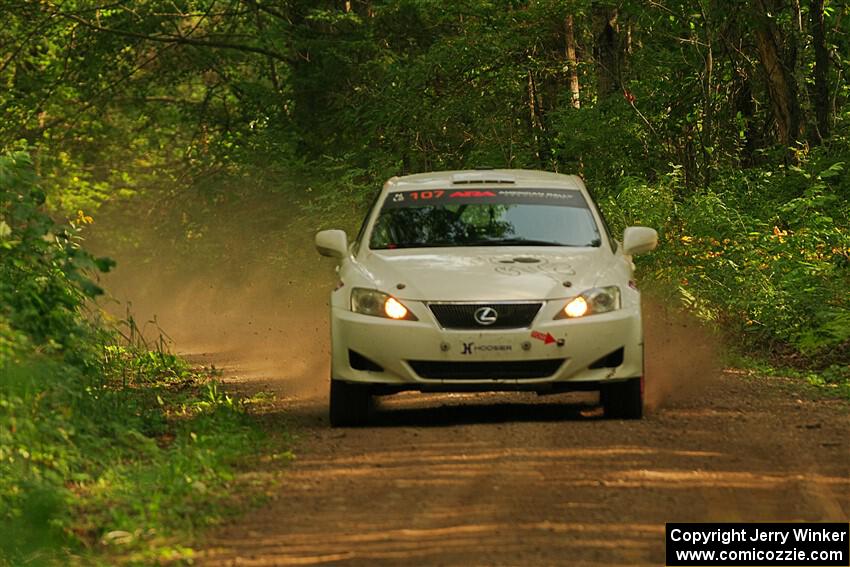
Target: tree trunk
(536, 119)
(821, 70)
(738, 35)
(779, 76)
(743, 101)
(708, 112)
(606, 49)
(572, 62)
(798, 15)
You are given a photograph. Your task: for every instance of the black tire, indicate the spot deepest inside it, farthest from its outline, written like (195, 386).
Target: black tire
(622, 400)
(350, 404)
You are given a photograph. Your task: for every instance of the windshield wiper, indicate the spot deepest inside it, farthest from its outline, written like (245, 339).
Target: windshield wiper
(482, 242)
(514, 242)
(402, 245)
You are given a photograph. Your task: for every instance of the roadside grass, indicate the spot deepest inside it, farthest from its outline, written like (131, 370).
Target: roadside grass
(124, 469)
(826, 376)
(830, 382)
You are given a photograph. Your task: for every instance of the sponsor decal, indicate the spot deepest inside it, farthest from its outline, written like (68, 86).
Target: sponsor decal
(547, 338)
(508, 271)
(471, 194)
(516, 266)
(544, 195)
(471, 348)
(543, 268)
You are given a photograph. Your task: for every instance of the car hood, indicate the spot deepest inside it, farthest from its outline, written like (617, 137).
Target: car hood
(486, 273)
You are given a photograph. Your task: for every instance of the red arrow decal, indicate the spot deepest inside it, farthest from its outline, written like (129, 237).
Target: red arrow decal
(547, 339)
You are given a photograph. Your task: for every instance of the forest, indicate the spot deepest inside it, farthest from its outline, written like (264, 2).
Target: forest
(724, 125)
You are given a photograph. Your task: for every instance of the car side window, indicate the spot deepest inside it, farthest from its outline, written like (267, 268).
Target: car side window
(355, 247)
(605, 226)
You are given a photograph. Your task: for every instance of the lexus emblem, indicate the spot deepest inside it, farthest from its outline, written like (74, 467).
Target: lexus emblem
(486, 315)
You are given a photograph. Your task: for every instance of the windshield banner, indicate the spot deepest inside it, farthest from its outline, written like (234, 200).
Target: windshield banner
(442, 197)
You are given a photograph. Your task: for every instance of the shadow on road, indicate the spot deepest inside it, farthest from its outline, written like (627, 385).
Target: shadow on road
(464, 414)
(451, 410)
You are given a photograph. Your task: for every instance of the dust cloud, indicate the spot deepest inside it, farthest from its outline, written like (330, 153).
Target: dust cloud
(681, 356)
(239, 287)
(262, 329)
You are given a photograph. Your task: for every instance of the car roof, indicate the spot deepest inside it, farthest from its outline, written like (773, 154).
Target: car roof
(472, 178)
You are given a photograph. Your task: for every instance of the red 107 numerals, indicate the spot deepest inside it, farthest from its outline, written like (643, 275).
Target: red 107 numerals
(426, 195)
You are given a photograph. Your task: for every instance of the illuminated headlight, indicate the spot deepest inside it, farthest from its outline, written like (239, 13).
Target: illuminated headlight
(377, 304)
(591, 302)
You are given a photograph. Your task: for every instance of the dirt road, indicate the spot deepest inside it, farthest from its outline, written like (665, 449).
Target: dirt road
(513, 479)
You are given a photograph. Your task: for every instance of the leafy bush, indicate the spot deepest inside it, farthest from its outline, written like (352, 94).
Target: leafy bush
(764, 252)
(43, 270)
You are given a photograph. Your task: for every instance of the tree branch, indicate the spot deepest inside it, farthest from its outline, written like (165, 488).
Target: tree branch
(178, 39)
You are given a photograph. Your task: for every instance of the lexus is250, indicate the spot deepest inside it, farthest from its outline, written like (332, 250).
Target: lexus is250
(491, 280)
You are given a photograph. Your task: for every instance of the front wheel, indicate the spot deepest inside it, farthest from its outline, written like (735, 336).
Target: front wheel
(623, 400)
(349, 404)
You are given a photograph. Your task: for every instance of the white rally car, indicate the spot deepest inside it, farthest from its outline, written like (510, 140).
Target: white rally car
(485, 280)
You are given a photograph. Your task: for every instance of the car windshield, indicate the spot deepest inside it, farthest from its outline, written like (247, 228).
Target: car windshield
(489, 217)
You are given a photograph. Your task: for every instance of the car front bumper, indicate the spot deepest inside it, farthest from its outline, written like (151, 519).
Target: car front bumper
(421, 355)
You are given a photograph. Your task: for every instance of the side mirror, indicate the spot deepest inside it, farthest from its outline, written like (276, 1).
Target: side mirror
(639, 239)
(332, 243)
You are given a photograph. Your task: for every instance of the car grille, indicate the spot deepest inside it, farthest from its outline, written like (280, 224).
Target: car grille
(486, 370)
(462, 315)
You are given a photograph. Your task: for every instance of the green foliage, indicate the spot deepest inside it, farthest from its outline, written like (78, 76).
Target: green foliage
(126, 461)
(766, 253)
(44, 274)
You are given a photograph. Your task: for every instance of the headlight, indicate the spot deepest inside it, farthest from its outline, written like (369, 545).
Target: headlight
(377, 304)
(591, 302)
